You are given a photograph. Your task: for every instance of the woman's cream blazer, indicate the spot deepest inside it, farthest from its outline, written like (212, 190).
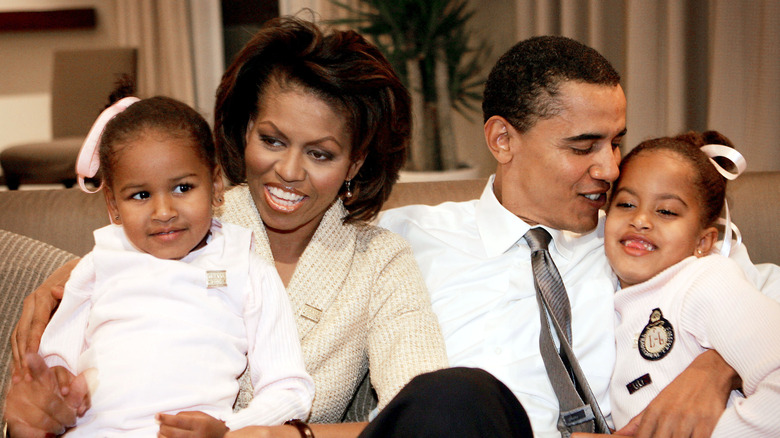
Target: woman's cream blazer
(360, 303)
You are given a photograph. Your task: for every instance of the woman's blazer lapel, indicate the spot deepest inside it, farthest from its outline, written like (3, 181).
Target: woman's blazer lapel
(322, 269)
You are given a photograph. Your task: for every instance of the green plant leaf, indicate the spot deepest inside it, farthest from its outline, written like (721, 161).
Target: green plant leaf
(407, 30)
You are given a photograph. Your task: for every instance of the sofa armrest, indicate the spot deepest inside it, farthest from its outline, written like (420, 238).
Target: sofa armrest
(24, 264)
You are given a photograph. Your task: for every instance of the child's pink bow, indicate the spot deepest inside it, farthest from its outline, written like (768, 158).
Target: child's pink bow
(88, 161)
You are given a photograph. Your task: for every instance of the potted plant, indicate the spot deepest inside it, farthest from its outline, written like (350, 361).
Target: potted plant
(430, 46)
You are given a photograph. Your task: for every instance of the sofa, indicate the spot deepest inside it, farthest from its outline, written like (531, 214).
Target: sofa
(41, 229)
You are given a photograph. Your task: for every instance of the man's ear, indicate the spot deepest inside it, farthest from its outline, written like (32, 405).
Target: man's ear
(218, 187)
(113, 210)
(498, 133)
(707, 240)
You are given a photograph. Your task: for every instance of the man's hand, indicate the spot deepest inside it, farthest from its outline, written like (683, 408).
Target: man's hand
(37, 404)
(691, 405)
(190, 424)
(36, 312)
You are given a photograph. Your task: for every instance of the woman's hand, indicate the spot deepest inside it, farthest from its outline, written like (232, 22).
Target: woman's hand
(335, 430)
(189, 425)
(42, 401)
(73, 389)
(691, 405)
(36, 313)
(263, 432)
(595, 435)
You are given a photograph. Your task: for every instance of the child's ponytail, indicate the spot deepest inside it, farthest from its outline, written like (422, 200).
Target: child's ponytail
(124, 87)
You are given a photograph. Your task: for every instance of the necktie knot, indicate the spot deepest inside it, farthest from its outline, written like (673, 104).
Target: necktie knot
(538, 239)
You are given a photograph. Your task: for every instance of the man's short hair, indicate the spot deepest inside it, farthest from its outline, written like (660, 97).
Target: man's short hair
(524, 83)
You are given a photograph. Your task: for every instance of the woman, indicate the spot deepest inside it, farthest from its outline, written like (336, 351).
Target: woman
(314, 128)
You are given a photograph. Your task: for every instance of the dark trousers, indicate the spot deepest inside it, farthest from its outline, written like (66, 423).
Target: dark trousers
(453, 402)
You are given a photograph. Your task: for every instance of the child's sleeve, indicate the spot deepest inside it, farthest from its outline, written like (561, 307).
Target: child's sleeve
(282, 388)
(63, 340)
(742, 325)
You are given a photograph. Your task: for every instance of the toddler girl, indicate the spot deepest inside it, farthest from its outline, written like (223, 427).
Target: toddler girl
(165, 310)
(678, 296)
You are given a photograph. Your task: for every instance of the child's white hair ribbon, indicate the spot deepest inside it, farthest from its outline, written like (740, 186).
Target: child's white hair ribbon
(731, 154)
(88, 161)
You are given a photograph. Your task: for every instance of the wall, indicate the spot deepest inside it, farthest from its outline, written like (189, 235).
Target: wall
(500, 35)
(25, 71)
(26, 67)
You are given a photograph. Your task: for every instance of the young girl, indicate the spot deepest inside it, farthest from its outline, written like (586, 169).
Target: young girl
(678, 296)
(164, 311)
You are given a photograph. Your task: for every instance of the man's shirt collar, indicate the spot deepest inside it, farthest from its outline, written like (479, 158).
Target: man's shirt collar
(500, 229)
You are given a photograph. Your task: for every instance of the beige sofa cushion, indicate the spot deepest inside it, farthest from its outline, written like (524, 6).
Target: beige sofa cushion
(64, 218)
(754, 202)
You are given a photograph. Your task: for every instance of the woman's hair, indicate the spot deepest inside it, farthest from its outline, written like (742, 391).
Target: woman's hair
(710, 185)
(160, 114)
(346, 72)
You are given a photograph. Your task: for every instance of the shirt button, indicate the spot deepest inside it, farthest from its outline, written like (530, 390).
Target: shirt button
(498, 350)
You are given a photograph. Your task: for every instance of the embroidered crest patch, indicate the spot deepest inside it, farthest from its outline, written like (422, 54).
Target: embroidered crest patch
(657, 337)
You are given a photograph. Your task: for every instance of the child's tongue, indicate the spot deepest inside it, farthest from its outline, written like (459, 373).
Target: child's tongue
(638, 244)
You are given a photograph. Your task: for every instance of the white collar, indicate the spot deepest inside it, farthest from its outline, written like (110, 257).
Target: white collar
(500, 229)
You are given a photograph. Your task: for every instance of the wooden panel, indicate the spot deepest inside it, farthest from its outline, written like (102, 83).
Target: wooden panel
(84, 18)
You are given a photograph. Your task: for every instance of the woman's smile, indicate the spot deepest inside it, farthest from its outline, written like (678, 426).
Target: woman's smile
(282, 199)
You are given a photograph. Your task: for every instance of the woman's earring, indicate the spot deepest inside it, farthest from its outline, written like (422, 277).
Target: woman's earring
(116, 217)
(348, 193)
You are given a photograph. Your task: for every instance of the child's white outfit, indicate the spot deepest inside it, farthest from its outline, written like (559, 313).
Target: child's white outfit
(695, 305)
(169, 336)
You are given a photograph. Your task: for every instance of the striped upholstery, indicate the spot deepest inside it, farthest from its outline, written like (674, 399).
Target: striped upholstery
(24, 264)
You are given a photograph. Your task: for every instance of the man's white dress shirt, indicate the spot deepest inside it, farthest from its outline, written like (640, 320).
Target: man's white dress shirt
(478, 270)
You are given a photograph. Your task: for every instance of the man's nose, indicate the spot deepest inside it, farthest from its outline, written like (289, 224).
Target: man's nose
(606, 168)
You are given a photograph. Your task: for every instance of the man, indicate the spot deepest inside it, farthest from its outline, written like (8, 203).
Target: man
(554, 115)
